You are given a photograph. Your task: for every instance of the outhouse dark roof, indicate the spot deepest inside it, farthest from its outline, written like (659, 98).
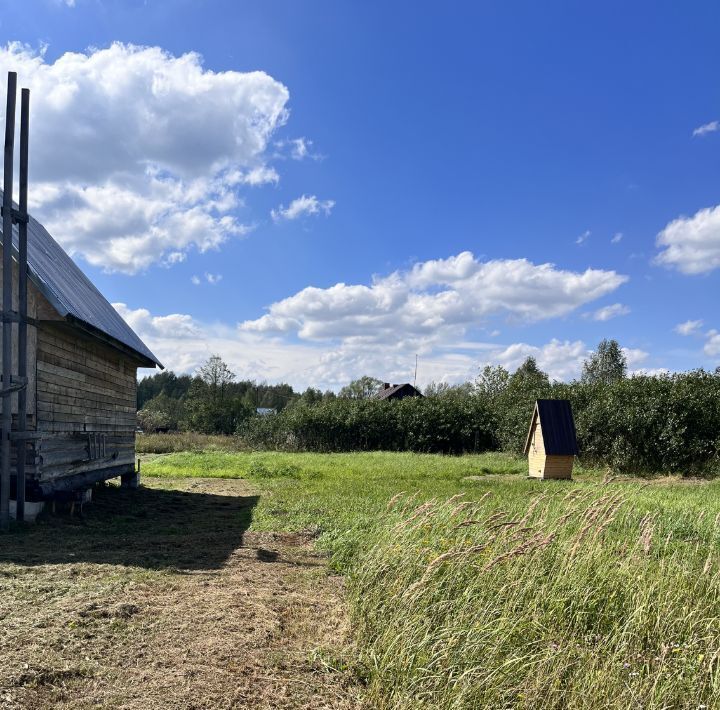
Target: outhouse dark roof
(72, 293)
(558, 427)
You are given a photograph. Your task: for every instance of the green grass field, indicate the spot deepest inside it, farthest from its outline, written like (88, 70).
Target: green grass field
(477, 587)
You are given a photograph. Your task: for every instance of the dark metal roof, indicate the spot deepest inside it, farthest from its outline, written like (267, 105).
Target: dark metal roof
(390, 392)
(72, 293)
(558, 427)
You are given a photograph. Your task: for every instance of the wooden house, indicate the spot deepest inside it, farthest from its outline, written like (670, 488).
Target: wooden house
(401, 391)
(551, 444)
(82, 361)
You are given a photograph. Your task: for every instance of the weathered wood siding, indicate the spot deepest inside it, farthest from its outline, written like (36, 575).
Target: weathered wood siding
(86, 403)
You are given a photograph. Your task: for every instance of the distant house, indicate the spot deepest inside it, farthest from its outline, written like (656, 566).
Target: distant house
(551, 444)
(401, 391)
(264, 411)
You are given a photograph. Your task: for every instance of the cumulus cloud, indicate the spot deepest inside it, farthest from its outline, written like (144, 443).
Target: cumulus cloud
(176, 325)
(183, 344)
(691, 244)
(634, 357)
(712, 344)
(608, 312)
(689, 327)
(706, 128)
(434, 299)
(138, 155)
(616, 238)
(327, 337)
(562, 360)
(301, 207)
(583, 238)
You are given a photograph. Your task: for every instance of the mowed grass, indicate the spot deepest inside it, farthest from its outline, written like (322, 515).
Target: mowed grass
(338, 496)
(471, 586)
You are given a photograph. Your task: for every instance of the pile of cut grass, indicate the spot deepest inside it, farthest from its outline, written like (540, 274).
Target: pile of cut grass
(590, 597)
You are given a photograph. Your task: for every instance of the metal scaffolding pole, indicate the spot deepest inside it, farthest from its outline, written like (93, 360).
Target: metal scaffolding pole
(21, 445)
(7, 220)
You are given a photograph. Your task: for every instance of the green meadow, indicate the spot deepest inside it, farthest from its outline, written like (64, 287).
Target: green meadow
(471, 586)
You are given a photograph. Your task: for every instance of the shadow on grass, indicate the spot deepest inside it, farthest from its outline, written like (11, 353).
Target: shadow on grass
(148, 527)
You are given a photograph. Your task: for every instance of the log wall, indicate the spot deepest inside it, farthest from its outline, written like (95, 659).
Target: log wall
(86, 403)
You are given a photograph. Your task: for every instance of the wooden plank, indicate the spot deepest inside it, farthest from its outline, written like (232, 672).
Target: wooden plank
(96, 376)
(61, 385)
(52, 472)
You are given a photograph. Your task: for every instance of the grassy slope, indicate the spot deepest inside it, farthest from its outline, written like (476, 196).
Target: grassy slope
(554, 594)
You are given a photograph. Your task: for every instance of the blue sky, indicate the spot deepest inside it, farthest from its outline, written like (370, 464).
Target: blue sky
(383, 141)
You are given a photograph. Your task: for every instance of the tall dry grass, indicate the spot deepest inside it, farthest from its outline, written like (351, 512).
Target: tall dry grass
(577, 600)
(180, 441)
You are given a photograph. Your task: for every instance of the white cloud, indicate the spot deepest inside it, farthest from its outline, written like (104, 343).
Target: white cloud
(301, 207)
(711, 347)
(617, 238)
(261, 175)
(297, 149)
(326, 337)
(562, 360)
(689, 327)
(434, 299)
(712, 344)
(706, 128)
(212, 279)
(183, 344)
(691, 244)
(583, 237)
(138, 155)
(634, 357)
(608, 312)
(176, 325)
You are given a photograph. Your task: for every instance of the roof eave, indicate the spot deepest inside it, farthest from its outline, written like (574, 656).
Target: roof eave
(143, 359)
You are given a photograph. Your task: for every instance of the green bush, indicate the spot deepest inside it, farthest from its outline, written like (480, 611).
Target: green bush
(667, 423)
(431, 425)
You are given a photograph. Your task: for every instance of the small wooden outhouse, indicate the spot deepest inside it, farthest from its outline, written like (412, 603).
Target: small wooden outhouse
(551, 444)
(82, 361)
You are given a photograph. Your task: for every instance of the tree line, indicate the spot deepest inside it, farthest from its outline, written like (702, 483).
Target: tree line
(211, 401)
(667, 422)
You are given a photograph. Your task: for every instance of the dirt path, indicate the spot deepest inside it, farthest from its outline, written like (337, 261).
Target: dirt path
(159, 598)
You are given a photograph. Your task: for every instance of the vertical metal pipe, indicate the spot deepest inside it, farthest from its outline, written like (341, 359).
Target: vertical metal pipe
(7, 302)
(21, 445)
